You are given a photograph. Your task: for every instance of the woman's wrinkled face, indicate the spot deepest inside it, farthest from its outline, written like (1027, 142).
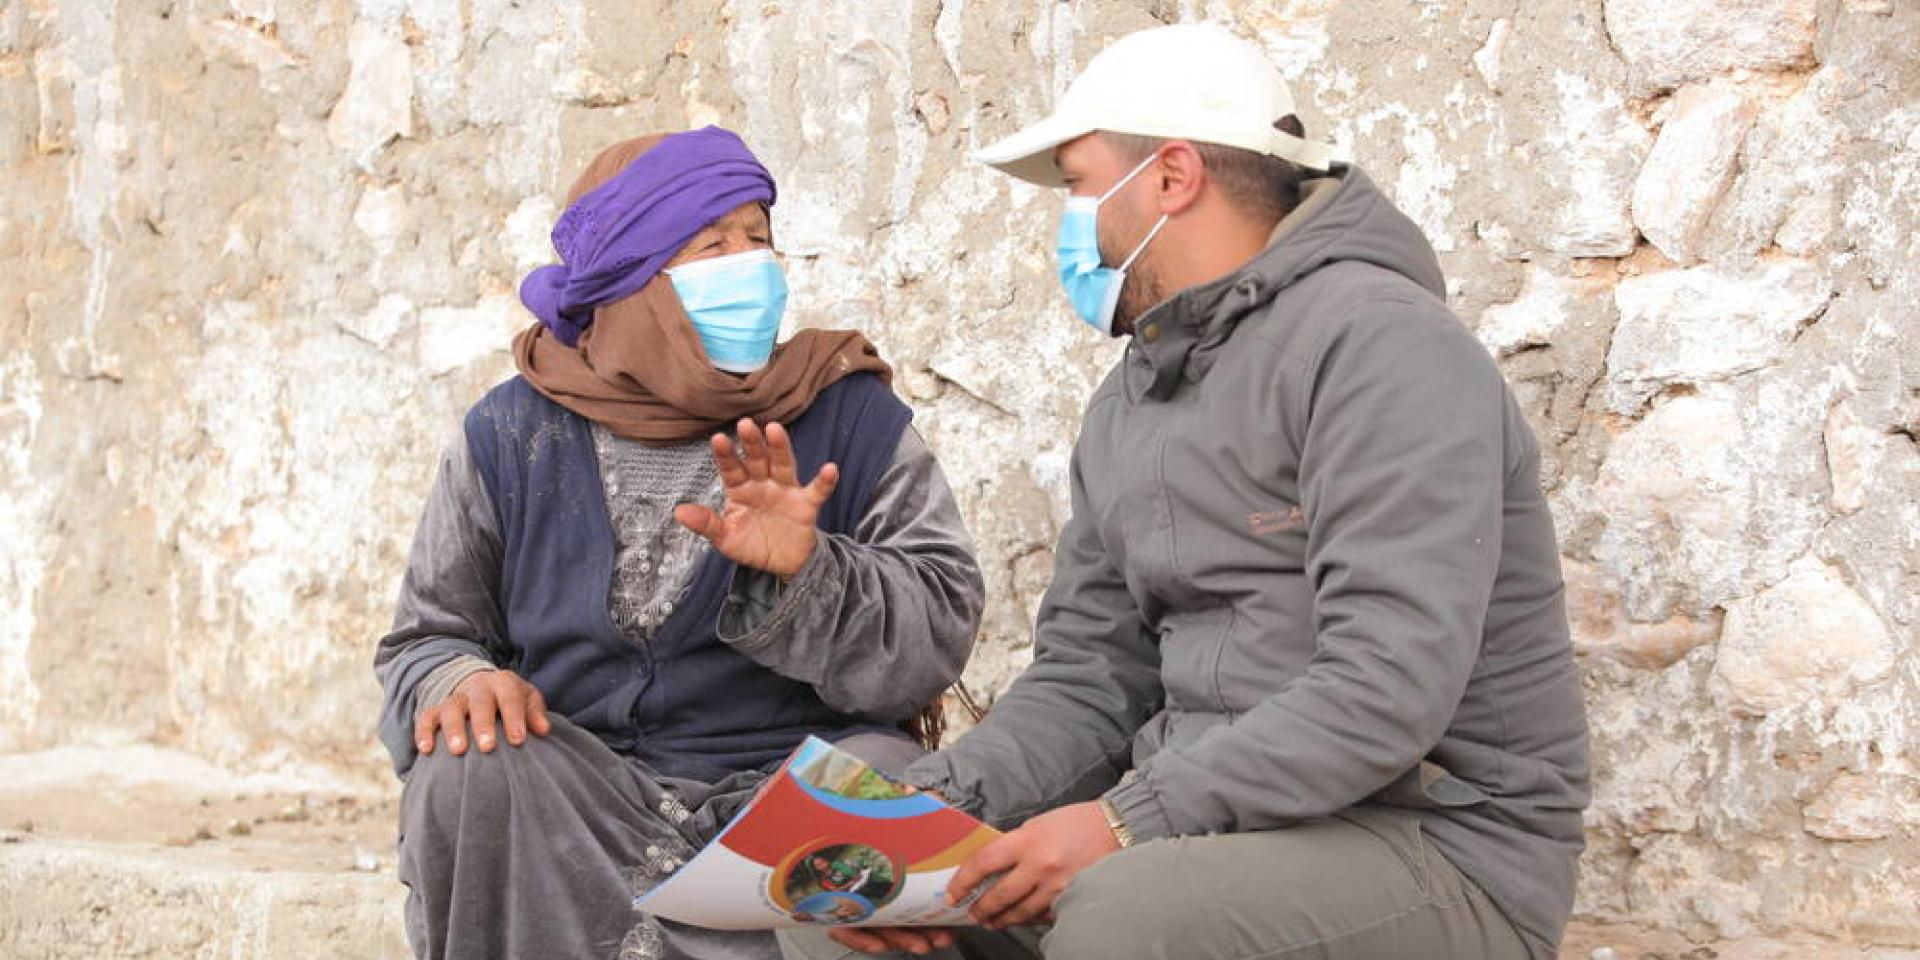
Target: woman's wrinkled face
(742, 229)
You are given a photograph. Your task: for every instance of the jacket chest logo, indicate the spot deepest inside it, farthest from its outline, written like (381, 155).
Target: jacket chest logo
(1268, 522)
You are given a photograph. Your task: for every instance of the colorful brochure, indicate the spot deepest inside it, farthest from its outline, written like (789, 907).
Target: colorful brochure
(826, 841)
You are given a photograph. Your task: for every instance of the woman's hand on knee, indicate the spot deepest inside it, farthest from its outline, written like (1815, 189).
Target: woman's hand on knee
(489, 703)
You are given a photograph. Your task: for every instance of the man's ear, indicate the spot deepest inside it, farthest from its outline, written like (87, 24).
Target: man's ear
(1181, 177)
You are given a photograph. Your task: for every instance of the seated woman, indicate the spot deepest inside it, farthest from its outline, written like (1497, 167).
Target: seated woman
(652, 564)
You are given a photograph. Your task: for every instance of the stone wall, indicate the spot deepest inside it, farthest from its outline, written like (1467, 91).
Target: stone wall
(256, 257)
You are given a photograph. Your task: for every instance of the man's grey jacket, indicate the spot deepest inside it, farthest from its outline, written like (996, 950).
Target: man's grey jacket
(1309, 566)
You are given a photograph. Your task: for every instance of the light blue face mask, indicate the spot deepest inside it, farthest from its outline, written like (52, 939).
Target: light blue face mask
(735, 303)
(1094, 289)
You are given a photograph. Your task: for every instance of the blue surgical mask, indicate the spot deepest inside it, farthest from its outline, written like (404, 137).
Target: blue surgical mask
(735, 303)
(1094, 289)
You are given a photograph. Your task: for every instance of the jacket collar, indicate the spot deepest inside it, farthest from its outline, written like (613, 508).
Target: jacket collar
(1179, 338)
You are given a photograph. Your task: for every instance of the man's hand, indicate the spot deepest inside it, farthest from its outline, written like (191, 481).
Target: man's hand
(767, 522)
(914, 940)
(479, 700)
(1036, 862)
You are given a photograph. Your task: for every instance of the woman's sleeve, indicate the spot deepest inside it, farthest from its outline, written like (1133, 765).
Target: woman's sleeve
(881, 622)
(447, 622)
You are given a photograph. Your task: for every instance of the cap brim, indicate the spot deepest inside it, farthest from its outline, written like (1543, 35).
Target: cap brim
(1028, 154)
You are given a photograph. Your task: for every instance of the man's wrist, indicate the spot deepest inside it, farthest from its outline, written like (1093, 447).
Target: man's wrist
(1140, 807)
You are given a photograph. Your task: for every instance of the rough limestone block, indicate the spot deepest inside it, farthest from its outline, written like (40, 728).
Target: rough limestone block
(1706, 324)
(1852, 451)
(453, 337)
(1690, 521)
(1791, 172)
(1601, 626)
(1670, 42)
(1866, 807)
(377, 105)
(1808, 640)
(1689, 168)
(1598, 146)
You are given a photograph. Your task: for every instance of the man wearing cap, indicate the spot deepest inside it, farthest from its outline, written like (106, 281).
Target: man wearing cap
(1302, 684)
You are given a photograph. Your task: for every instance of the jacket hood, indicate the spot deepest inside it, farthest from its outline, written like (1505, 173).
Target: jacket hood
(1343, 217)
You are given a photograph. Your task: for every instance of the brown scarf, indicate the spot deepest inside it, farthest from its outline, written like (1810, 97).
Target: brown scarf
(640, 369)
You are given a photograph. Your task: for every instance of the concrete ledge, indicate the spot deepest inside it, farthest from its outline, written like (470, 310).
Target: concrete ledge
(90, 901)
(1593, 940)
(139, 852)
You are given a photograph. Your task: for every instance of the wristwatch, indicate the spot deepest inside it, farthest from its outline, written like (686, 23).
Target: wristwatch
(1115, 823)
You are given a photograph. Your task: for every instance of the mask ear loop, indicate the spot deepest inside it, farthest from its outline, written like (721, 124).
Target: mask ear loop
(1142, 248)
(1129, 177)
(1135, 255)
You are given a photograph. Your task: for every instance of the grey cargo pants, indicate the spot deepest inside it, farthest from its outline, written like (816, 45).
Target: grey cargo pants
(1364, 885)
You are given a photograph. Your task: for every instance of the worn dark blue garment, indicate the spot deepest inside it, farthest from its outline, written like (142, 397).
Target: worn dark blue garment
(685, 703)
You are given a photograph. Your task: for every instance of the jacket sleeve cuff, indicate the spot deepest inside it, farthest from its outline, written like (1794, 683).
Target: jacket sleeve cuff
(934, 773)
(1140, 808)
(438, 685)
(758, 605)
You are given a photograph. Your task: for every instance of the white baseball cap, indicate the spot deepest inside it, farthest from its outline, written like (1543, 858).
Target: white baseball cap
(1188, 82)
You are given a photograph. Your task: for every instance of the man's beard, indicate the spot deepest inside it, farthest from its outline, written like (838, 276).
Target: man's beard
(1141, 292)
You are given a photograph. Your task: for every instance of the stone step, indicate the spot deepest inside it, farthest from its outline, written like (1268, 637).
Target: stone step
(68, 900)
(138, 852)
(146, 853)
(1595, 940)
(91, 901)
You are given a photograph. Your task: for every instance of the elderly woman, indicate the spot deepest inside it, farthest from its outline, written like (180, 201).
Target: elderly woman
(649, 567)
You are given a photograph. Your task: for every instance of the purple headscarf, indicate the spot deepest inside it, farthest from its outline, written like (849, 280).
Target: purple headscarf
(615, 239)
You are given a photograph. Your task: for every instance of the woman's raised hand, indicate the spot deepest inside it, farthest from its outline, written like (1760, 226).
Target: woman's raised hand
(768, 520)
